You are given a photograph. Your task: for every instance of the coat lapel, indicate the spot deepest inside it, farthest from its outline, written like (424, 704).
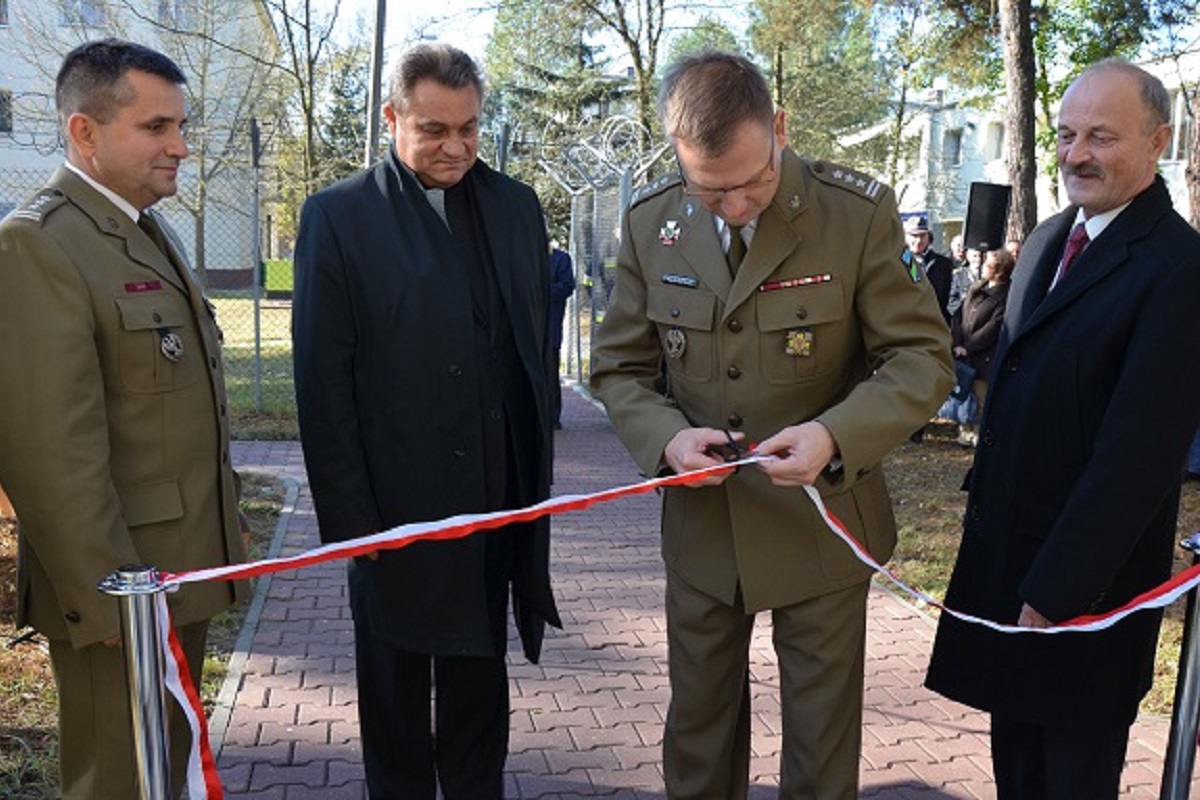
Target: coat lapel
(774, 237)
(697, 242)
(112, 221)
(1098, 261)
(496, 227)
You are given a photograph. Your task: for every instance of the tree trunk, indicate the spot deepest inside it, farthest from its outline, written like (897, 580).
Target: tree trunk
(1020, 158)
(1192, 172)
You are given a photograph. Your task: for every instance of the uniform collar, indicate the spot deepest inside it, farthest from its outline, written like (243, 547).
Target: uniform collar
(116, 199)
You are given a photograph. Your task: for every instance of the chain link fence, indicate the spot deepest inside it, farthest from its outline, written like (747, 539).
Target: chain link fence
(216, 220)
(237, 229)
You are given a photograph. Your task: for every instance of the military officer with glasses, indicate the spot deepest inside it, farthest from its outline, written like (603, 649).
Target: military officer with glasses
(765, 298)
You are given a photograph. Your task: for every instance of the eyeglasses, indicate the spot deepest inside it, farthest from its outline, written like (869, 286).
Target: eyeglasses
(703, 193)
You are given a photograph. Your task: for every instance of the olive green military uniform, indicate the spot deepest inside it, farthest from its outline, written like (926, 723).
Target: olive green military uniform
(825, 320)
(114, 447)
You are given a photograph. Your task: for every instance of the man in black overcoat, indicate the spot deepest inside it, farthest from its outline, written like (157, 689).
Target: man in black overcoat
(1075, 489)
(423, 382)
(938, 269)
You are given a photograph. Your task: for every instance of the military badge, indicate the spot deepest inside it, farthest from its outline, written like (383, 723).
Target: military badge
(689, 209)
(170, 344)
(676, 343)
(909, 261)
(799, 342)
(668, 234)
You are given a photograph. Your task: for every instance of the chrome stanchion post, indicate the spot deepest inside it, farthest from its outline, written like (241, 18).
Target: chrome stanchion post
(135, 587)
(1181, 748)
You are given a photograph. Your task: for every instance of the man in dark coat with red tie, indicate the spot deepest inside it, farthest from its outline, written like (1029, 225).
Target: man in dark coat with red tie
(1075, 488)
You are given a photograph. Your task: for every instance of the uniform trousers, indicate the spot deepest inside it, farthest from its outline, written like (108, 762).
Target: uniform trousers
(1035, 762)
(405, 752)
(819, 645)
(95, 722)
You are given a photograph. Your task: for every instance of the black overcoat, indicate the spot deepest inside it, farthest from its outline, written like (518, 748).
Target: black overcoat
(390, 415)
(1094, 397)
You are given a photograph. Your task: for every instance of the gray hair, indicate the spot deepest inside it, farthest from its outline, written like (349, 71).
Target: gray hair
(706, 96)
(438, 62)
(1155, 97)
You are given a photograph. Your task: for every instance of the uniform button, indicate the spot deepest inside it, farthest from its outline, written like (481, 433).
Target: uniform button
(222, 409)
(72, 616)
(157, 317)
(1013, 363)
(225, 457)
(675, 312)
(802, 313)
(212, 362)
(735, 325)
(495, 413)
(734, 373)
(976, 513)
(455, 371)
(735, 420)
(988, 438)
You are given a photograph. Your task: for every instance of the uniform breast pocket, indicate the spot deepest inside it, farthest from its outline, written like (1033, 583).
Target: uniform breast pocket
(159, 349)
(799, 329)
(685, 319)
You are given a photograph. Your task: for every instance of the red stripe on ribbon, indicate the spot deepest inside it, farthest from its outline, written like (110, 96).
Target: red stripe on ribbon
(202, 766)
(203, 780)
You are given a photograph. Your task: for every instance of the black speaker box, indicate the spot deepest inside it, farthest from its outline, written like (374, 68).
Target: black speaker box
(987, 216)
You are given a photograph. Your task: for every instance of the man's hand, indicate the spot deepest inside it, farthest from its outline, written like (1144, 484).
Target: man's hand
(690, 449)
(1030, 618)
(801, 452)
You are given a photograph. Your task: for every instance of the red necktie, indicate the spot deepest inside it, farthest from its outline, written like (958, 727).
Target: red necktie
(1075, 244)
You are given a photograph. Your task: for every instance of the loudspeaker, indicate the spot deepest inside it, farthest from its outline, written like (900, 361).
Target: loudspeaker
(987, 216)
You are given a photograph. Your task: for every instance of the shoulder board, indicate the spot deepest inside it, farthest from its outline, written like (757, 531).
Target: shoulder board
(851, 180)
(654, 187)
(39, 205)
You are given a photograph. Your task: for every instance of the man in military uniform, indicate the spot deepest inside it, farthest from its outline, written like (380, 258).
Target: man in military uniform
(764, 298)
(114, 442)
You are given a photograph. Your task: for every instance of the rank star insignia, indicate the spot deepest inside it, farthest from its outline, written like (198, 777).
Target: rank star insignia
(799, 343)
(668, 234)
(676, 343)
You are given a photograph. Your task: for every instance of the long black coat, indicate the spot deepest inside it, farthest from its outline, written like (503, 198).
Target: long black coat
(390, 415)
(976, 324)
(1094, 397)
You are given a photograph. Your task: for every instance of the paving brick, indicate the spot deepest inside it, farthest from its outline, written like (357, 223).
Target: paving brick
(587, 722)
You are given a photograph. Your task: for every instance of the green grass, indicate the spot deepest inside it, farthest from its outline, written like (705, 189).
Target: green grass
(272, 414)
(280, 274)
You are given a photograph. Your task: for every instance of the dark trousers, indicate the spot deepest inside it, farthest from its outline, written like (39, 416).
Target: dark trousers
(1034, 762)
(405, 751)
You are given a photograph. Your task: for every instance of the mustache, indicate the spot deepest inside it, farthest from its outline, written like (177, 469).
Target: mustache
(1083, 171)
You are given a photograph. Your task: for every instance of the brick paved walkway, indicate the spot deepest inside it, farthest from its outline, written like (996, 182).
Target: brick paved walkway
(587, 722)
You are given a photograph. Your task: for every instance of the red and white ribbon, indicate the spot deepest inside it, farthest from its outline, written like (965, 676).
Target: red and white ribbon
(202, 773)
(202, 778)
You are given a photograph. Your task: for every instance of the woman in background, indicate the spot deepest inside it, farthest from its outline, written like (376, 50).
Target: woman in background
(976, 327)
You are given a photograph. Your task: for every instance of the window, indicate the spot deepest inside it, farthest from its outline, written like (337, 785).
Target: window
(995, 140)
(6, 115)
(3, 12)
(91, 13)
(952, 148)
(178, 14)
(1181, 130)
